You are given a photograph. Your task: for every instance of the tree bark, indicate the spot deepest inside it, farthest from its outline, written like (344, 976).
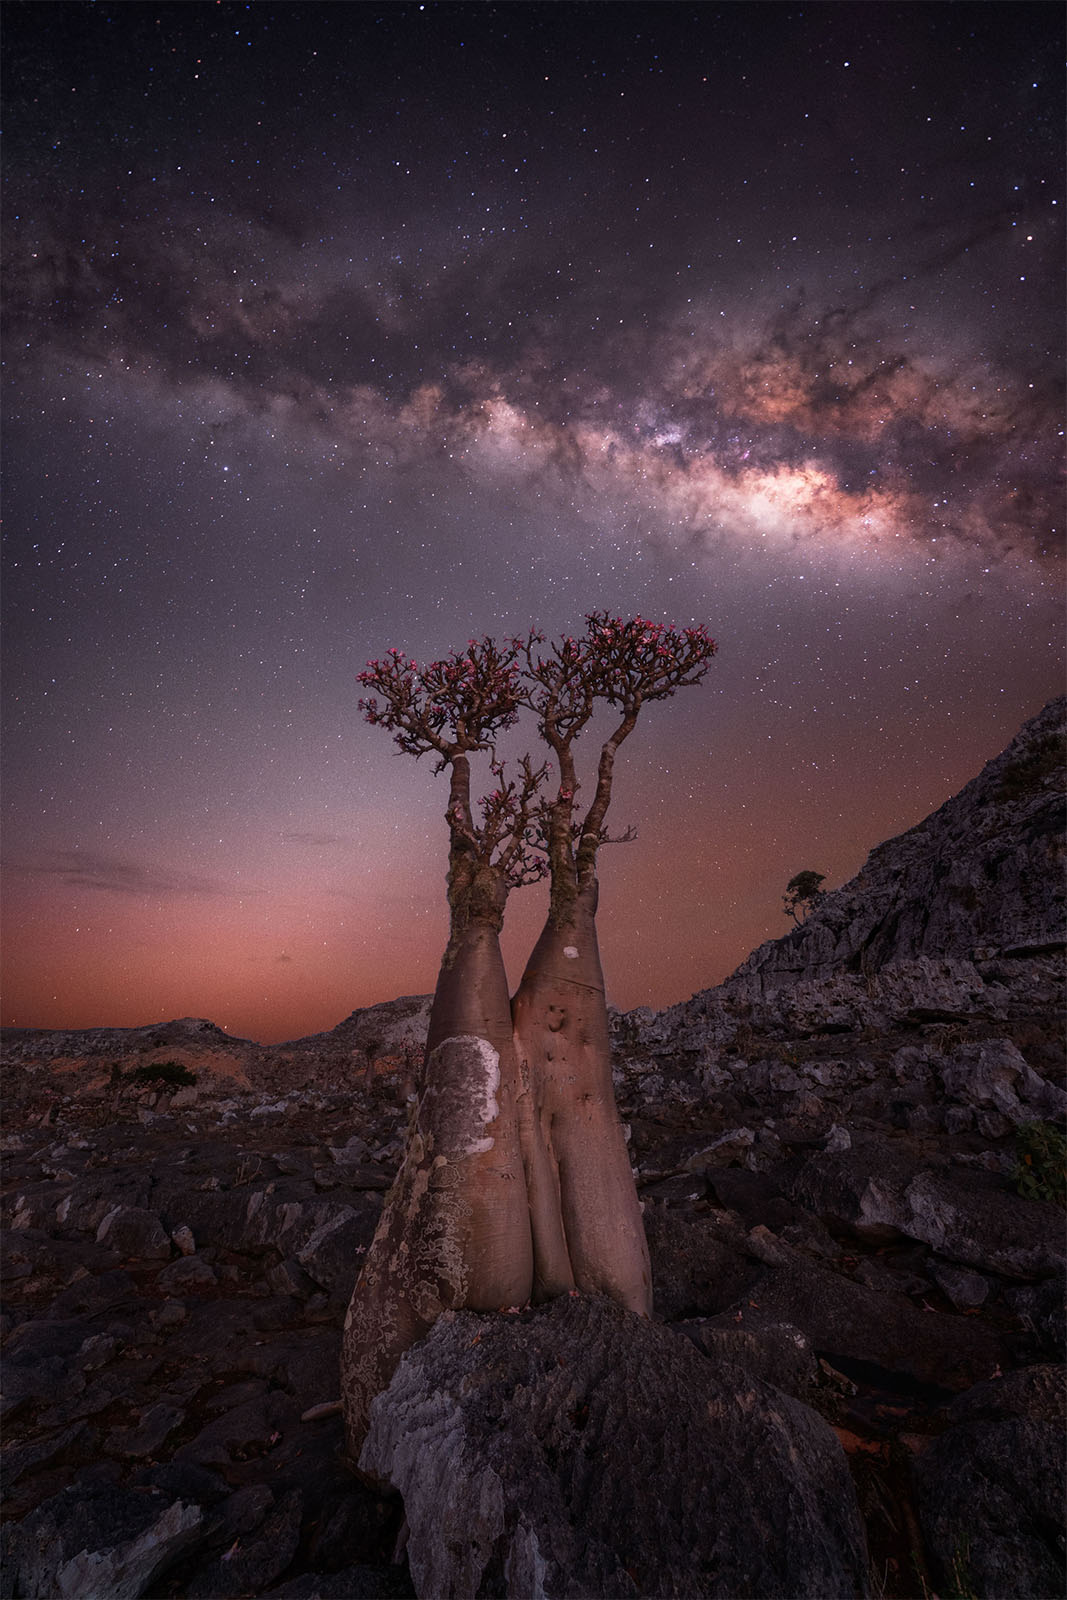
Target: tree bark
(455, 1230)
(585, 1215)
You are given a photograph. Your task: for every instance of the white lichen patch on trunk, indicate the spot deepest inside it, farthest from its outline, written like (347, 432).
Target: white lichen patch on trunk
(460, 1103)
(570, 952)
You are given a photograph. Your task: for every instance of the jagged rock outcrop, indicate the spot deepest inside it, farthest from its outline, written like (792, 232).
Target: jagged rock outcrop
(927, 993)
(963, 915)
(579, 1450)
(965, 1215)
(376, 1032)
(99, 1540)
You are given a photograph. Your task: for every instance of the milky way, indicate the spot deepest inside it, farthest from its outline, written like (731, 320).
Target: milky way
(333, 328)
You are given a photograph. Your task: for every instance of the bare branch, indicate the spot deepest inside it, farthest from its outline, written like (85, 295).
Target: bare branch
(626, 837)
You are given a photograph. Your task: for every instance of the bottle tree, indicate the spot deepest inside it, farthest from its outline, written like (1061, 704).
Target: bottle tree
(586, 1220)
(455, 1229)
(515, 1184)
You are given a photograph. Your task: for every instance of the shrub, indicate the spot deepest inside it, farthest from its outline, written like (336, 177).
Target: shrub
(170, 1073)
(1041, 1170)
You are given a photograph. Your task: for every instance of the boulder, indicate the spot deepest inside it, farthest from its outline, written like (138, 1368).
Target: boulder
(969, 1216)
(1042, 1310)
(779, 1353)
(156, 1424)
(995, 1075)
(187, 1272)
(255, 1558)
(18, 1459)
(183, 1238)
(98, 1539)
(847, 1323)
(698, 1266)
(580, 1450)
(92, 1296)
(990, 1490)
(247, 1429)
(134, 1232)
(966, 1289)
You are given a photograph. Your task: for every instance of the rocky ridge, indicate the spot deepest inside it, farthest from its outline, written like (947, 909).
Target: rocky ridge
(826, 1147)
(927, 993)
(980, 880)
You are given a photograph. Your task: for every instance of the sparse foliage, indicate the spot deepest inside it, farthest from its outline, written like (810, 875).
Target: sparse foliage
(624, 664)
(165, 1074)
(455, 707)
(170, 1074)
(1041, 1168)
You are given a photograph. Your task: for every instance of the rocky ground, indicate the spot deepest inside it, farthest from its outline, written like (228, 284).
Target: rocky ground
(175, 1283)
(850, 1249)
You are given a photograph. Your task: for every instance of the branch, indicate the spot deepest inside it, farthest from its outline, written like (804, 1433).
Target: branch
(510, 824)
(620, 838)
(638, 660)
(630, 662)
(457, 704)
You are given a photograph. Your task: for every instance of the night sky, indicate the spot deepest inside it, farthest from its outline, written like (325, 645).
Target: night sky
(336, 328)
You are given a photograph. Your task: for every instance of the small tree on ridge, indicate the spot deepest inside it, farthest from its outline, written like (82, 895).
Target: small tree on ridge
(802, 895)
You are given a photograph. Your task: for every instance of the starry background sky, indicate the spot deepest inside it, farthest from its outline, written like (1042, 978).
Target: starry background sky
(334, 328)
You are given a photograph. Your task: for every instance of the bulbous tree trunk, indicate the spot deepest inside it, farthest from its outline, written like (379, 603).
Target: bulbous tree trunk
(455, 1231)
(516, 1181)
(585, 1215)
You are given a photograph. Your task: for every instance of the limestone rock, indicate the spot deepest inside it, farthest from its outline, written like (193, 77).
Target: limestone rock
(253, 1561)
(579, 1450)
(996, 1074)
(779, 1353)
(990, 1490)
(245, 1428)
(98, 1540)
(183, 1238)
(188, 1272)
(971, 1217)
(697, 1268)
(135, 1232)
(157, 1423)
(848, 1322)
(964, 1288)
(960, 918)
(1042, 1310)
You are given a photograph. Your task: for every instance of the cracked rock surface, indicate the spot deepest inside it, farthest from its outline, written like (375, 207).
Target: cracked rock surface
(578, 1450)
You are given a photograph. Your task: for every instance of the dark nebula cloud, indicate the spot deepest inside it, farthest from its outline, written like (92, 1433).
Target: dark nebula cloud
(81, 869)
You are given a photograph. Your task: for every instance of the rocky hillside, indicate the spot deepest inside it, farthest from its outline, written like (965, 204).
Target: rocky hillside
(980, 880)
(951, 935)
(370, 1057)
